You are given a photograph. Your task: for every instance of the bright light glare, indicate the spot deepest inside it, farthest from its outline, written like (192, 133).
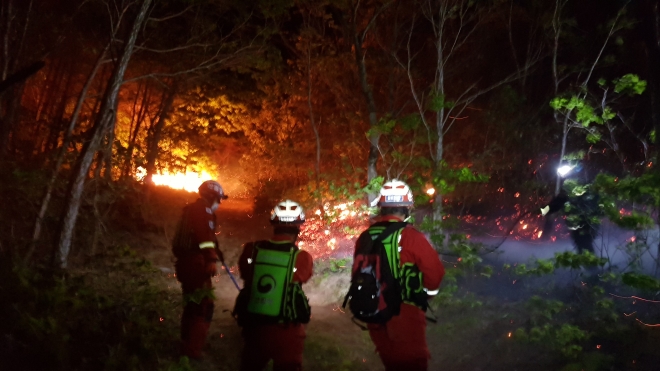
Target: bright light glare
(562, 171)
(189, 181)
(430, 191)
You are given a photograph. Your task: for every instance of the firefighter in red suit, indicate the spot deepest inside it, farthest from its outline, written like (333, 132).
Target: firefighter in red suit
(401, 342)
(196, 250)
(272, 308)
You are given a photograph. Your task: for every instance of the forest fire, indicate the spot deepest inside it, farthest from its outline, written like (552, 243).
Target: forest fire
(188, 181)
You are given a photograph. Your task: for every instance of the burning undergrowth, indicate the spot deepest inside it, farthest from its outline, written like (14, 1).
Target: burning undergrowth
(332, 233)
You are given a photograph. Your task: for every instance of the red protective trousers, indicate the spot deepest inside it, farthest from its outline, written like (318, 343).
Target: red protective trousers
(197, 316)
(401, 343)
(282, 343)
(195, 247)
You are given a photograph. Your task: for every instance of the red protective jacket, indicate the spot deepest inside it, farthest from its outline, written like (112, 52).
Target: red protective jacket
(196, 246)
(403, 338)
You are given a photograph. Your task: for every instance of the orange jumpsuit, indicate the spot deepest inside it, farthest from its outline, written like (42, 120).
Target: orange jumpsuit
(283, 343)
(401, 342)
(195, 247)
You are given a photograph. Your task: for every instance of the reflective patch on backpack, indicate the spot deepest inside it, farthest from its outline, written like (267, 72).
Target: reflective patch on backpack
(412, 287)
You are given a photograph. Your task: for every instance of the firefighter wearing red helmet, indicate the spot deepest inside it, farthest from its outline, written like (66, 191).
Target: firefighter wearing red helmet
(272, 306)
(401, 341)
(196, 250)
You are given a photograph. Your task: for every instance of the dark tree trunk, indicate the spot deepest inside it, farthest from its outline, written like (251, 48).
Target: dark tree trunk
(109, 145)
(371, 107)
(48, 140)
(367, 92)
(10, 117)
(138, 118)
(154, 141)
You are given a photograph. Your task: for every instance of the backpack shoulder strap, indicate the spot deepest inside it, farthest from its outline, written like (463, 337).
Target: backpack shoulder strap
(366, 242)
(391, 228)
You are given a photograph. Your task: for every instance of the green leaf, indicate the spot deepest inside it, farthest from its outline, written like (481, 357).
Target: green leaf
(593, 137)
(558, 103)
(640, 281)
(608, 114)
(630, 84)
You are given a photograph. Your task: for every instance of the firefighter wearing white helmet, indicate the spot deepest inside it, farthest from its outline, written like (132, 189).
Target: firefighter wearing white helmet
(272, 306)
(416, 266)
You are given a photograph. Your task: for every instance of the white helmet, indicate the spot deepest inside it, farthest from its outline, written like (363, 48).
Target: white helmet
(394, 193)
(287, 213)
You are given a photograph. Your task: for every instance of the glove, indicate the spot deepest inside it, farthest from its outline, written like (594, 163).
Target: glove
(544, 210)
(211, 269)
(430, 294)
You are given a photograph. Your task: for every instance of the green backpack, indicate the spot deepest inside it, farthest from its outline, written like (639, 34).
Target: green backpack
(273, 297)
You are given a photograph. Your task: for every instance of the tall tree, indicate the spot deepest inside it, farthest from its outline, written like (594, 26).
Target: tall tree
(564, 115)
(442, 103)
(361, 21)
(103, 125)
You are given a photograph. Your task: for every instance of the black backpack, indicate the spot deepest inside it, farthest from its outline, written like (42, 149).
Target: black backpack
(374, 295)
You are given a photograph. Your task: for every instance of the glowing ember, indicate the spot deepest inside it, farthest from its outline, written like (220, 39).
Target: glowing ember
(509, 334)
(333, 235)
(188, 181)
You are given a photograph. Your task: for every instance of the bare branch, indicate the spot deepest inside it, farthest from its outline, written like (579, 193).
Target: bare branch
(371, 22)
(176, 49)
(152, 19)
(613, 29)
(413, 90)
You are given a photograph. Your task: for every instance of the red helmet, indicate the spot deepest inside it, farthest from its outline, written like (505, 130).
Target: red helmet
(212, 190)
